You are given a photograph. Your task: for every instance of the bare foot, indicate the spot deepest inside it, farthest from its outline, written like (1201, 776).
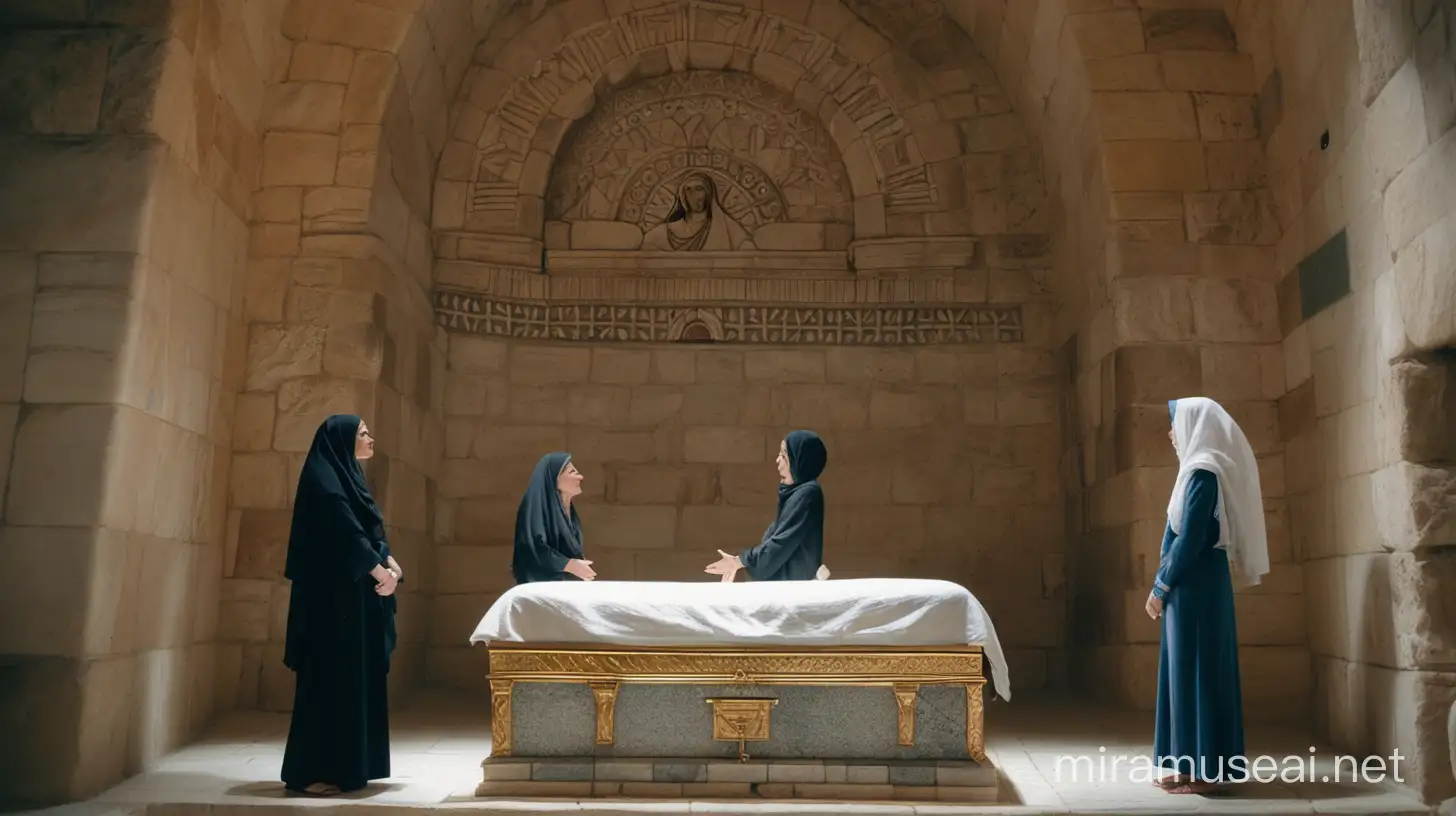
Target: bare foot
(1170, 781)
(322, 789)
(1197, 788)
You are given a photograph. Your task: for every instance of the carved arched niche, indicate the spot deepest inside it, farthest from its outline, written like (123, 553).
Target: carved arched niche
(764, 173)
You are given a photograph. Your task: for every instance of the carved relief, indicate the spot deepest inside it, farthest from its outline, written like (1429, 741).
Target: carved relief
(852, 325)
(906, 695)
(604, 695)
(700, 131)
(975, 722)
(500, 717)
(698, 161)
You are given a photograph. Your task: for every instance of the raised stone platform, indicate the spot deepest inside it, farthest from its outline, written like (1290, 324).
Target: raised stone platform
(437, 743)
(868, 780)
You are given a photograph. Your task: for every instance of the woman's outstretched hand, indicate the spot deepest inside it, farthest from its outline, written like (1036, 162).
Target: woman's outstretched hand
(581, 569)
(727, 566)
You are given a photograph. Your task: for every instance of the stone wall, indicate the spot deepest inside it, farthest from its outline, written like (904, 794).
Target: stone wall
(1163, 280)
(942, 464)
(1357, 105)
(130, 150)
(339, 320)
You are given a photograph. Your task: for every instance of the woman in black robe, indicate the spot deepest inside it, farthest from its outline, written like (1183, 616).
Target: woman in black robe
(340, 618)
(792, 548)
(548, 531)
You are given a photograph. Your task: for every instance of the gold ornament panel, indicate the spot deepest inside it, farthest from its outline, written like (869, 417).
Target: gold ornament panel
(812, 667)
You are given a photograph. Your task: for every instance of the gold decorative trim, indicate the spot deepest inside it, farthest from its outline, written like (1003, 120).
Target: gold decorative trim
(500, 719)
(604, 669)
(878, 666)
(975, 723)
(905, 698)
(604, 693)
(741, 720)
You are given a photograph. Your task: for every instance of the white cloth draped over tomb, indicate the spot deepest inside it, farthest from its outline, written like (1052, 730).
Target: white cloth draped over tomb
(858, 612)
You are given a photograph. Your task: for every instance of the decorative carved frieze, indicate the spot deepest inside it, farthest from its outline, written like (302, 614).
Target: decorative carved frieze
(853, 325)
(767, 160)
(565, 78)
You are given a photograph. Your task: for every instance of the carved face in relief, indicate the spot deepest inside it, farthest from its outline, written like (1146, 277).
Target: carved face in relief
(695, 193)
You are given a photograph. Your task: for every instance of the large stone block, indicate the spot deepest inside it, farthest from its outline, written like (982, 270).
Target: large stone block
(277, 353)
(922, 407)
(473, 570)
(1436, 62)
(869, 529)
(304, 403)
(1385, 31)
(1149, 374)
(293, 159)
(1145, 115)
(1136, 165)
(604, 405)
(516, 447)
(593, 447)
(786, 366)
(1415, 506)
(548, 365)
(1230, 216)
(1141, 437)
(1418, 198)
(869, 366)
(1407, 711)
(665, 484)
(59, 468)
(1107, 33)
(485, 522)
(621, 366)
(62, 208)
(1234, 311)
(725, 445)
(1152, 310)
(262, 546)
(630, 528)
(1425, 287)
(1423, 618)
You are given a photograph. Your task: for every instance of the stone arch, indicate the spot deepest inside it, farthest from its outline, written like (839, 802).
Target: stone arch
(751, 137)
(878, 105)
(696, 326)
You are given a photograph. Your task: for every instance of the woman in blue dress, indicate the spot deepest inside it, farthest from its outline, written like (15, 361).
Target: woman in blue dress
(1215, 536)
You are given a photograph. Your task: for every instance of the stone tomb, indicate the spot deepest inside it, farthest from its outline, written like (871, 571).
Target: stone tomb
(876, 723)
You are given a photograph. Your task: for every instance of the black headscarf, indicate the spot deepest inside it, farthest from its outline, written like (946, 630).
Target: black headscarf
(330, 475)
(792, 548)
(807, 458)
(547, 534)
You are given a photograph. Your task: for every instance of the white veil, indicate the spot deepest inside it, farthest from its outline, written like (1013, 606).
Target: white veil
(1208, 439)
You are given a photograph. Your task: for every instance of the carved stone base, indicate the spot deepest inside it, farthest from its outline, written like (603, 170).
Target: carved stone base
(687, 778)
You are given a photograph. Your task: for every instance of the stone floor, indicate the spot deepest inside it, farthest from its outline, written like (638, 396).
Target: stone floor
(440, 740)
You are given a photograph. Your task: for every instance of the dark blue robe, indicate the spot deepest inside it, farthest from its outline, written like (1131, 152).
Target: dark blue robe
(1200, 727)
